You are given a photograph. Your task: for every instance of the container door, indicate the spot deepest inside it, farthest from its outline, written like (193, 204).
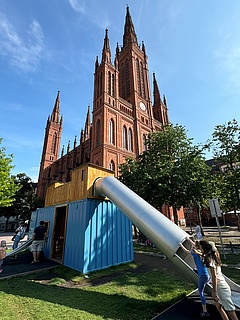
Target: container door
(59, 230)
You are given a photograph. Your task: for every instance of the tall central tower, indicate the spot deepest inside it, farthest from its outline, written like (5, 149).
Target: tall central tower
(123, 114)
(122, 107)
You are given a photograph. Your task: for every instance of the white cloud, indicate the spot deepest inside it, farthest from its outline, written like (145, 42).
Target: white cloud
(75, 4)
(93, 10)
(23, 53)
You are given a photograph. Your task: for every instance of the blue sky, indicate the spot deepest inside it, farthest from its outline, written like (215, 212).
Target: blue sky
(46, 46)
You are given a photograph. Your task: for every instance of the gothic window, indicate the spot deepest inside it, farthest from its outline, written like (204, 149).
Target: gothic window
(109, 82)
(123, 82)
(144, 142)
(112, 165)
(142, 81)
(124, 137)
(54, 141)
(98, 133)
(113, 91)
(101, 84)
(138, 78)
(127, 78)
(99, 93)
(111, 131)
(130, 140)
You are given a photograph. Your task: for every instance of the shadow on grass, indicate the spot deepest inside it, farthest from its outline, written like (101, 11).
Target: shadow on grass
(104, 304)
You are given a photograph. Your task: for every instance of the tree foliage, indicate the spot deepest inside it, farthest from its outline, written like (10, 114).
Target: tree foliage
(171, 171)
(25, 201)
(7, 186)
(226, 151)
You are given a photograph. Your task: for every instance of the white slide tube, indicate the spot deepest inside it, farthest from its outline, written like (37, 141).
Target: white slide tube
(165, 234)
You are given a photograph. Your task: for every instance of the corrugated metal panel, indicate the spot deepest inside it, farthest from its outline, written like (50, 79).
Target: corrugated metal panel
(75, 233)
(46, 214)
(104, 236)
(98, 235)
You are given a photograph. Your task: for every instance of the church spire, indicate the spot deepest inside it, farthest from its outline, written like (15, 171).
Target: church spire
(106, 52)
(156, 92)
(56, 110)
(87, 125)
(96, 63)
(129, 32)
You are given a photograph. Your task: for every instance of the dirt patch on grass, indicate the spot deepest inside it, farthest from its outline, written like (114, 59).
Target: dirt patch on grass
(145, 264)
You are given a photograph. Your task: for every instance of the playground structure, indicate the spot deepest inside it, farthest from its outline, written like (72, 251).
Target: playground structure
(96, 232)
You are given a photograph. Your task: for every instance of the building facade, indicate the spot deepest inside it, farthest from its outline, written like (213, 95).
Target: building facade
(123, 114)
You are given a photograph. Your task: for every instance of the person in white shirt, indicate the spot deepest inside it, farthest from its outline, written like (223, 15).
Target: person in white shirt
(221, 292)
(19, 234)
(198, 232)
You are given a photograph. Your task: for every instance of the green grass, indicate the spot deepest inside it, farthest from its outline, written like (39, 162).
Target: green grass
(145, 248)
(116, 293)
(128, 296)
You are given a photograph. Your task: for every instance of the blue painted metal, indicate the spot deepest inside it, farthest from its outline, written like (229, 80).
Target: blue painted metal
(46, 214)
(98, 235)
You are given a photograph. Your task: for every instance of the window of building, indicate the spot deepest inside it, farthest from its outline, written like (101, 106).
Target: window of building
(98, 132)
(127, 78)
(124, 137)
(123, 82)
(112, 165)
(113, 90)
(111, 131)
(144, 142)
(109, 82)
(130, 148)
(142, 81)
(138, 78)
(54, 142)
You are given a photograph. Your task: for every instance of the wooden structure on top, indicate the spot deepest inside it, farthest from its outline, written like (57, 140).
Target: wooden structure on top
(80, 187)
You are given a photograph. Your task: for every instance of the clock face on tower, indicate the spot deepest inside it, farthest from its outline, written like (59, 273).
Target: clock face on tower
(142, 106)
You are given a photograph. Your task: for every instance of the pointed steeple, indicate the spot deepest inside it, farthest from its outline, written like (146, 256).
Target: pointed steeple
(62, 153)
(68, 147)
(165, 100)
(106, 52)
(96, 63)
(56, 110)
(116, 57)
(144, 50)
(87, 125)
(156, 92)
(82, 136)
(75, 142)
(129, 36)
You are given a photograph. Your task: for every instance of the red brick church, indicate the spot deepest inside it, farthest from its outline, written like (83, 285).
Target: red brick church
(122, 114)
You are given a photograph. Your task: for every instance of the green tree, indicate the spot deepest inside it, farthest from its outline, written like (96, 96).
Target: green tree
(171, 171)
(25, 201)
(226, 151)
(7, 186)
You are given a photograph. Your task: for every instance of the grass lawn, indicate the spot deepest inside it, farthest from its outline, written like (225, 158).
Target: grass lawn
(117, 293)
